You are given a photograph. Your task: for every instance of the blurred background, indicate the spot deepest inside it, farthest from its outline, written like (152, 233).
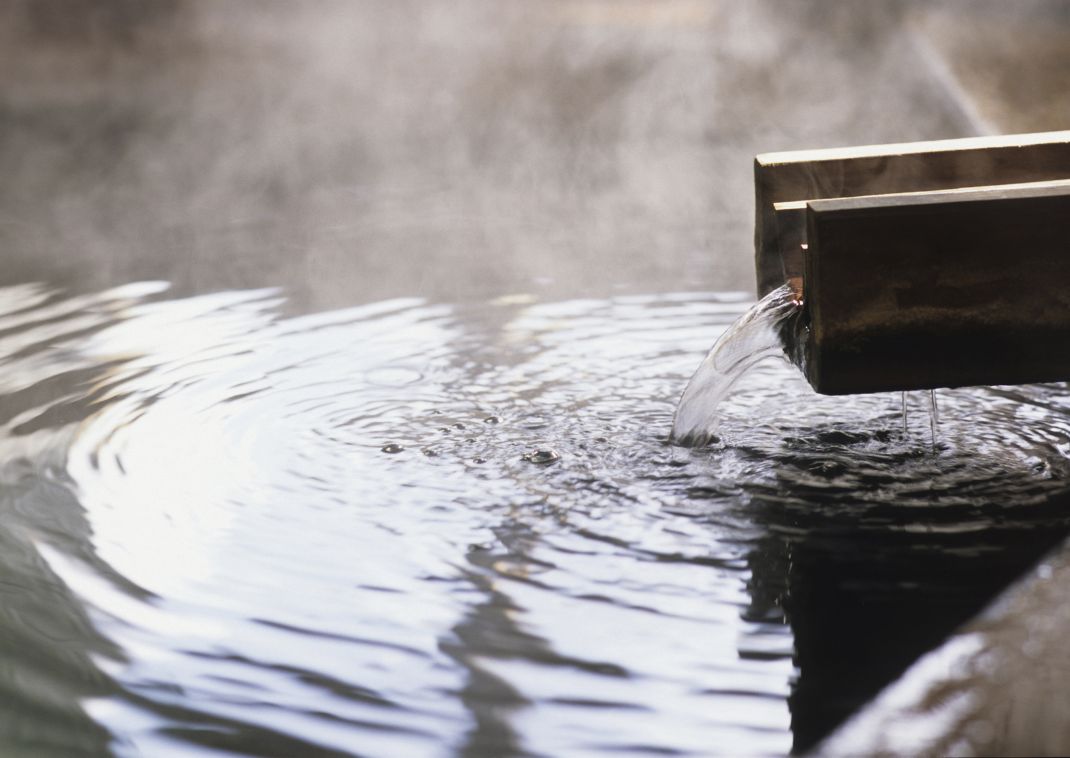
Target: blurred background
(464, 149)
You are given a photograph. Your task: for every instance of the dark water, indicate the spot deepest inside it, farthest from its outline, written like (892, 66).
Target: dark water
(424, 529)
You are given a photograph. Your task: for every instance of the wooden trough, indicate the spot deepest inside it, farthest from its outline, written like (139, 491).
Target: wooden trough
(922, 265)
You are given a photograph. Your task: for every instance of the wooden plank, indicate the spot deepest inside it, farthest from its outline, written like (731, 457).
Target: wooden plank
(941, 289)
(882, 169)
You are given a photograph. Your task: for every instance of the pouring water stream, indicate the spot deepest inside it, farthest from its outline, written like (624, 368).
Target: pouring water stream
(752, 338)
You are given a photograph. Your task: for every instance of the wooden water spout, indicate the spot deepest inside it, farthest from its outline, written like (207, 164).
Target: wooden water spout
(933, 264)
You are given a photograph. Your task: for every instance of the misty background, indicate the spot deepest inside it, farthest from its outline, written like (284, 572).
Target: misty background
(457, 150)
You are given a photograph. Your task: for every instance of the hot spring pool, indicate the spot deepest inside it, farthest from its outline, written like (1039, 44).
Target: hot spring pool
(420, 528)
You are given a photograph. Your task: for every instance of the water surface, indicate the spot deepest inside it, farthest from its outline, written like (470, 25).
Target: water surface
(420, 528)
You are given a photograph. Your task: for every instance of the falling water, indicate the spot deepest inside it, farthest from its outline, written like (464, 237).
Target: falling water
(752, 338)
(934, 416)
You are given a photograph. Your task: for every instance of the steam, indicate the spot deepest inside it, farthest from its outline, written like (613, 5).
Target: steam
(354, 151)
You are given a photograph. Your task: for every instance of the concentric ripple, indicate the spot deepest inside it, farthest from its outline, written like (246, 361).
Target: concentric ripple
(418, 529)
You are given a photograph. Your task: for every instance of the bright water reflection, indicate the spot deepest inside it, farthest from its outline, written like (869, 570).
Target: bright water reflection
(200, 506)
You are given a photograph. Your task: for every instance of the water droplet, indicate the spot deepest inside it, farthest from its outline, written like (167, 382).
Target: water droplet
(541, 456)
(393, 447)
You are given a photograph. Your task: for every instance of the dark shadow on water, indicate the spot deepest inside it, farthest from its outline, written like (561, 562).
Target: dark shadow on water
(864, 603)
(488, 630)
(47, 640)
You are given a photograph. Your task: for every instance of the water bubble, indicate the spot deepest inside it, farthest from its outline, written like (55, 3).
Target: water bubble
(392, 448)
(828, 468)
(541, 456)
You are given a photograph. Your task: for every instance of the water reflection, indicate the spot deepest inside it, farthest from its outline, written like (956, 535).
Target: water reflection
(320, 533)
(877, 548)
